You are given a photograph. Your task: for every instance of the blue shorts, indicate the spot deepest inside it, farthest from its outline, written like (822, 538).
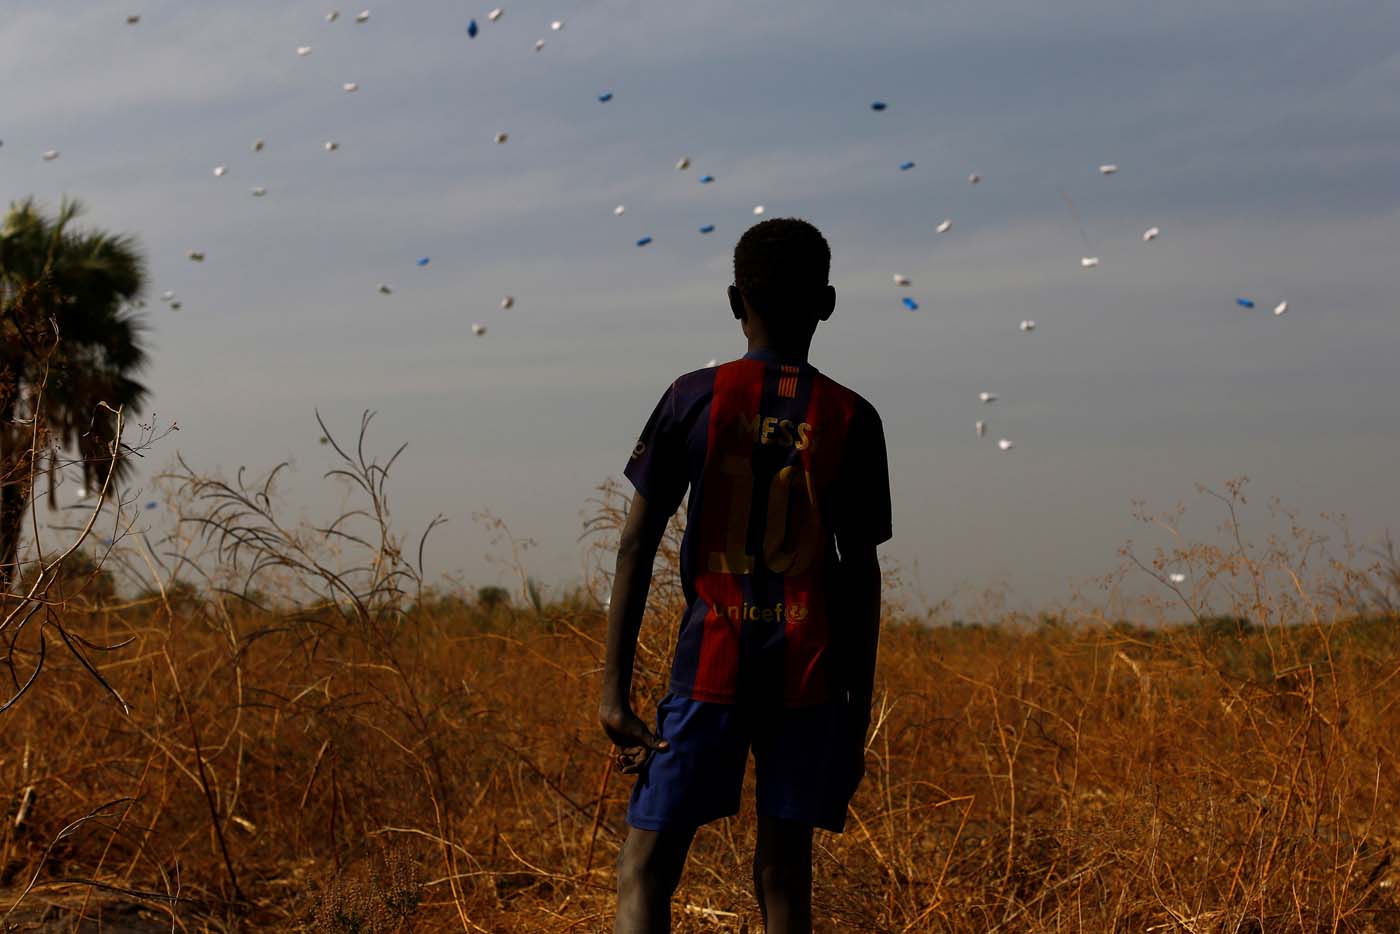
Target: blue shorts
(805, 766)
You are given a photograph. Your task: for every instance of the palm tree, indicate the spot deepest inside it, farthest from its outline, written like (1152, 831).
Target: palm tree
(69, 340)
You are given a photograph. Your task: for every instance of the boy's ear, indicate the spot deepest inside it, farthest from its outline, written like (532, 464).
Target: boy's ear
(828, 303)
(736, 303)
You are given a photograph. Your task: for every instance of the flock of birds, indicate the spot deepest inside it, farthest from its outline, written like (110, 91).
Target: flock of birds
(901, 281)
(1085, 262)
(330, 145)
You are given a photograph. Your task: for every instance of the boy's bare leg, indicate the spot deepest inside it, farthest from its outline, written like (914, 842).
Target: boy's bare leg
(782, 875)
(648, 871)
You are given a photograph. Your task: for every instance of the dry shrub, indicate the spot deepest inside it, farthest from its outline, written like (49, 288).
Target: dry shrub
(378, 895)
(427, 761)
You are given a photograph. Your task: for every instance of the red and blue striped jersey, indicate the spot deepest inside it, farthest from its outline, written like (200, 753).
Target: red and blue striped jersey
(785, 469)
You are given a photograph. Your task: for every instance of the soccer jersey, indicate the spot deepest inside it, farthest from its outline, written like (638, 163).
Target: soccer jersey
(785, 469)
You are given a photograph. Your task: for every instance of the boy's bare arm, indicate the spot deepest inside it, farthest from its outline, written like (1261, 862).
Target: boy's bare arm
(641, 536)
(860, 572)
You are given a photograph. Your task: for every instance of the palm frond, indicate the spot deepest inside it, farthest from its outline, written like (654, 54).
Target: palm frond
(68, 296)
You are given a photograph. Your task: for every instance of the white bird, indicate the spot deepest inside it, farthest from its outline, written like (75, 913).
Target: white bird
(1108, 169)
(303, 50)
(713, 362)
(1005, 444)
(508, 302)
(330, 145)
(495, 14)
(539, 44)
(1028, 325)
(50, 155)
(987, 396)
(901, 280)
(501, 138)
(133, 18)
(258, 145)
(557, 25)
(362, 16)
(332, 16)
(620, 210)
(974, 178)
(257, 191)
(219, 171)
(1150, 234)
(167, 295)
(981, 429)
(944, 227)
(1281, 309)
(682, 164)
(350, 87)
(195, 256)
(82, 493)
(1176, 577)
(384, 289)
(479, 330)
(758, 209)
(1088, 262)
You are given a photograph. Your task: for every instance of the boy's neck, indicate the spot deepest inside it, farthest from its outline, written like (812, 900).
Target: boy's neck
(793, 351)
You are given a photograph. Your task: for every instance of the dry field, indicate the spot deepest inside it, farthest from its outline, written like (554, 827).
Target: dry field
(388, 759)
(271, 775)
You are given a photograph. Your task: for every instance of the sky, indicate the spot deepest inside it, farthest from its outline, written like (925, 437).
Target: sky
(1262, 138)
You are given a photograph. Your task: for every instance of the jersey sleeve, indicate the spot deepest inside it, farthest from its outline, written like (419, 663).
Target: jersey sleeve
(863, 514)
(657, 467)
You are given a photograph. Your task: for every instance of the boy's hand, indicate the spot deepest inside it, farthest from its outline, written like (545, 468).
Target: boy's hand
(635, 743)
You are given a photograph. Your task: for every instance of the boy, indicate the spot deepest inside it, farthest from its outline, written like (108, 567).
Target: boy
(789, 496)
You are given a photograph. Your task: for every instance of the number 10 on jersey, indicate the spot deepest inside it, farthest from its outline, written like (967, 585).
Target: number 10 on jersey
(791, 527)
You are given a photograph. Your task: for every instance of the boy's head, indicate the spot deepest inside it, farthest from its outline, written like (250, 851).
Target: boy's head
(781, 267)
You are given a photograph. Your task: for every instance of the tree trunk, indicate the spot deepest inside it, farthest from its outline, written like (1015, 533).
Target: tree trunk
(17, 463)
(13, 501)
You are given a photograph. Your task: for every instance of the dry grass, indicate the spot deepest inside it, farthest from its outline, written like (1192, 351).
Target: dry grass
(1068, 778)
(426, 762)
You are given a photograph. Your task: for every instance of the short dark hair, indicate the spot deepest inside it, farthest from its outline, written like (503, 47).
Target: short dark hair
(780, 260)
